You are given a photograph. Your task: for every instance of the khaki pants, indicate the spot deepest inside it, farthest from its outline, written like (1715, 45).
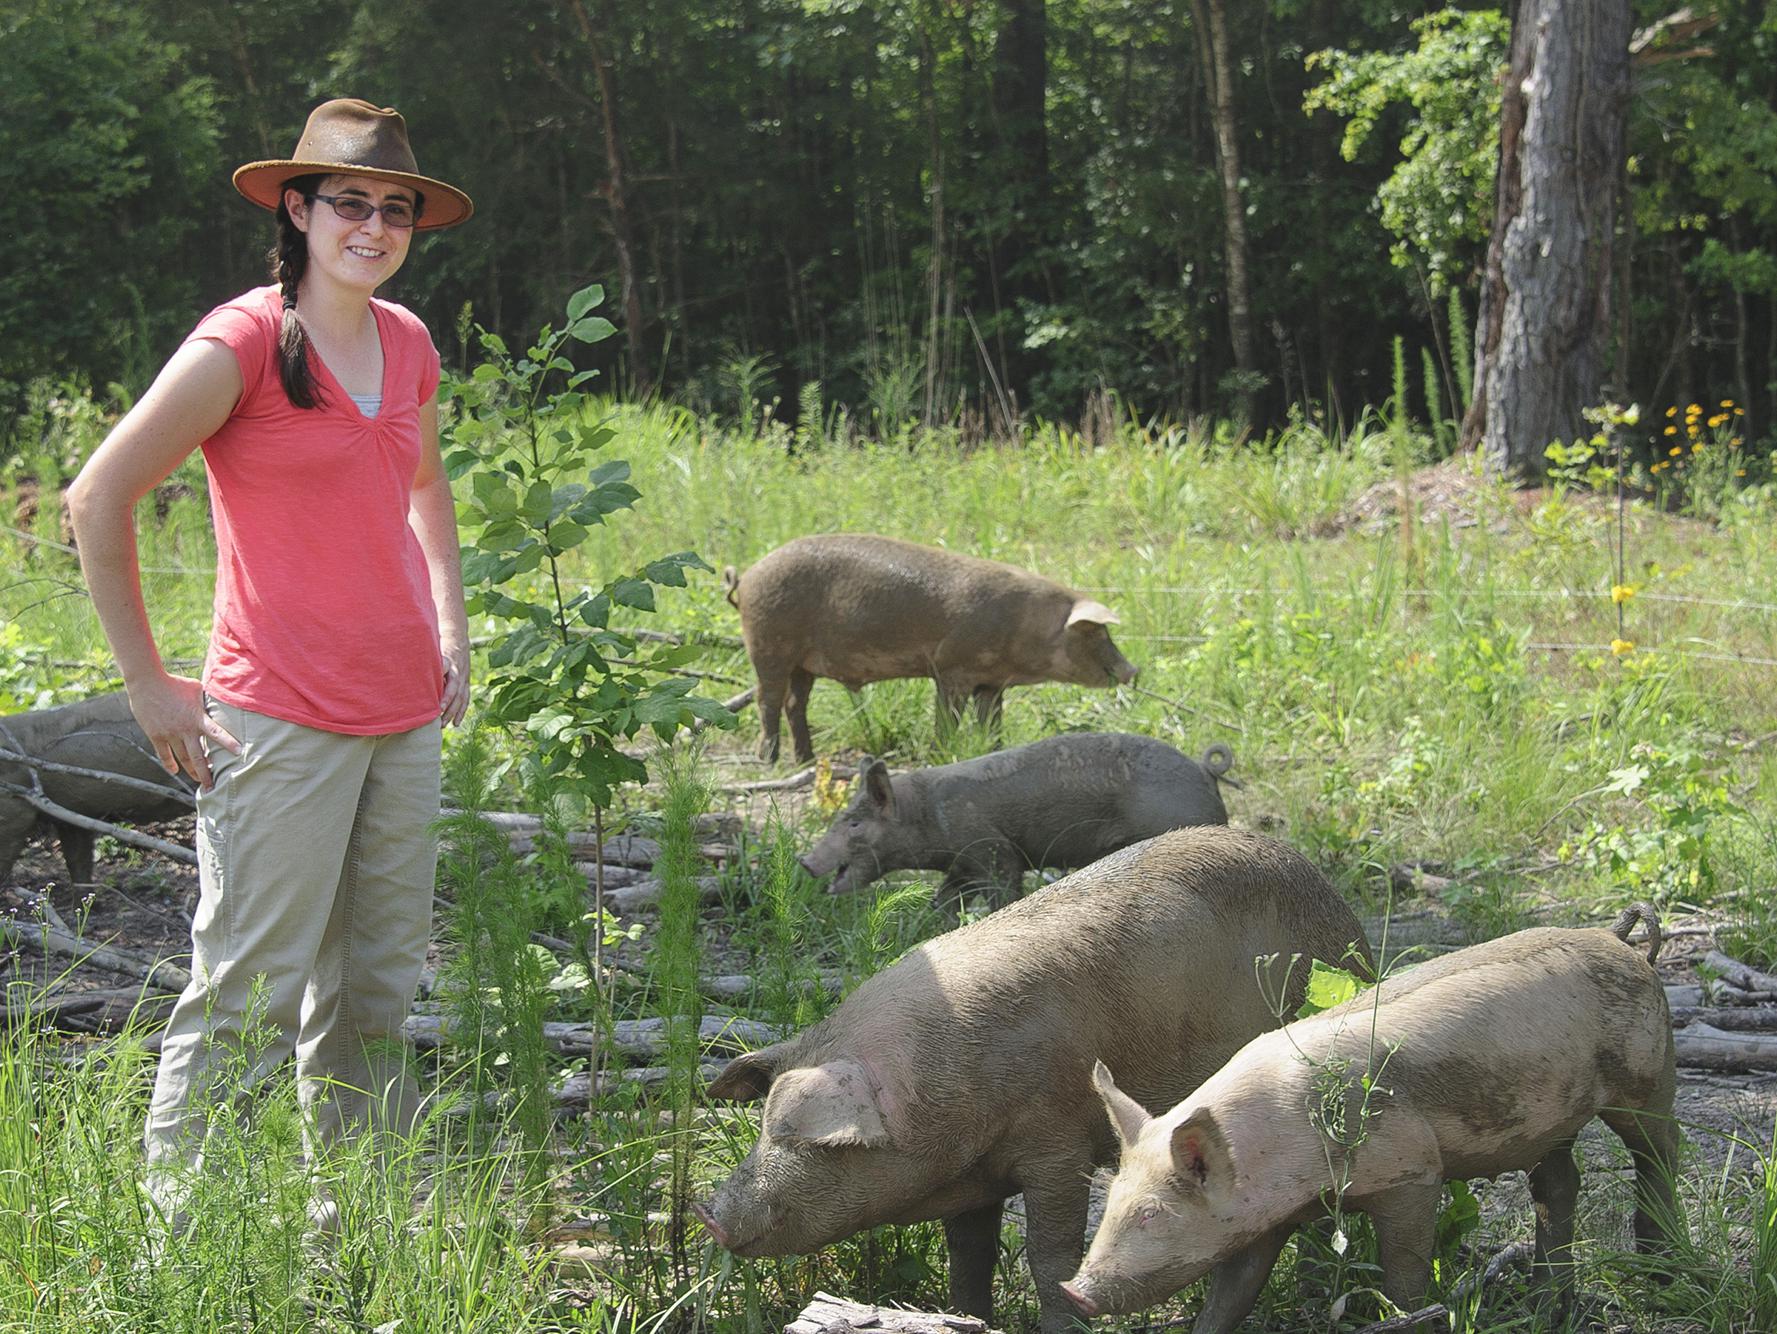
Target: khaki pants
(316, 861)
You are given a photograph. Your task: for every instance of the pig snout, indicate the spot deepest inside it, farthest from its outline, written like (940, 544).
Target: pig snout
(711, 1226)
(809, 866)
(1076, 1294)
(1125, 671)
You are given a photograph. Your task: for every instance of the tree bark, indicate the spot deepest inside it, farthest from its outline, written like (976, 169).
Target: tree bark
(1218, 81)
(1541, 343)
(616, 192)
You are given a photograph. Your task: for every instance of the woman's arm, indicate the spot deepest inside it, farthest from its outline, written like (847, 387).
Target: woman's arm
(432, 514)
(187, 403)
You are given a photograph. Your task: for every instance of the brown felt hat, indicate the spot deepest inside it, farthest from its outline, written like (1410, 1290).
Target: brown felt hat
(350, 137)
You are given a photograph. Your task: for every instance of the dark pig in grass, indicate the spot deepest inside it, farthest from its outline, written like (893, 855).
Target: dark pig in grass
(857, 608)
(1485, 1061)
(962, 1075)
(1062, 802)
(99, 734)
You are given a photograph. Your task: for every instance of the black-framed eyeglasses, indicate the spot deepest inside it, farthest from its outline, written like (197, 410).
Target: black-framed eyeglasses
(396, 213)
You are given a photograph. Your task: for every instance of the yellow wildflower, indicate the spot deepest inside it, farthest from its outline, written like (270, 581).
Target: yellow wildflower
(1694, 410)
(1727, 402)
(1672, 411)
(1619, 647)
(1671, 430)
(1621, 593)
(1739, 412)
(1720, 419)
(1675, 450)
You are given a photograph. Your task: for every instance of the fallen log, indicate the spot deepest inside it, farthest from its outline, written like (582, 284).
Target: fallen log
(158, 973)
(1703, 1047)
(118, 832)
(723, 986)
(828, 1314)
(645, 895)
(1741, 1019)
(632, 1037)
(1737, 974)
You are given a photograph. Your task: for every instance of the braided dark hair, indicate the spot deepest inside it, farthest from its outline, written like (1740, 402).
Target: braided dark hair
(289, 259)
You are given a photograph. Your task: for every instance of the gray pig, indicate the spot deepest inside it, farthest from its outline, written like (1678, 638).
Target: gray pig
(1063, 802)
(856, 608)
(1485, 1061)
(961, 1075)
(98, 733)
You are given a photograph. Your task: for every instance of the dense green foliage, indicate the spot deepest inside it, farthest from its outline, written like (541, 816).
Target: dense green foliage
(957, 211)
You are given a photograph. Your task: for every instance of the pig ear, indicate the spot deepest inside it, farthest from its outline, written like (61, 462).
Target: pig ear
(746, 1078)
(1200, 1151)
(1127, 1115)
(832, 1105)
(1085, 609)
(875, 776)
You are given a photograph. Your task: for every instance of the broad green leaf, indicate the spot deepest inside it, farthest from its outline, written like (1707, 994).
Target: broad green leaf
(632, 592)
(585, 299)
(1327, 987)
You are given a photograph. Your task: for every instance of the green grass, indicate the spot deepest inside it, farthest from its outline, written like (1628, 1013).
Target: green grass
(1467, 710)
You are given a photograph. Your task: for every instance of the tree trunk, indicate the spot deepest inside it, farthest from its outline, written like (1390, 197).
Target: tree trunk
(1218, 81)
(616, 194)
(1545, 320)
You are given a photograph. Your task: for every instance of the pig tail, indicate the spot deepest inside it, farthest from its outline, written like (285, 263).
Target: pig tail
(289, 260)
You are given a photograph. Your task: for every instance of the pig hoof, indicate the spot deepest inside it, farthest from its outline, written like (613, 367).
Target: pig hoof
(1086, 1305)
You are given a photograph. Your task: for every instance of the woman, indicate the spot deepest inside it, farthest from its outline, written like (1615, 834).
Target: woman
(339, 643)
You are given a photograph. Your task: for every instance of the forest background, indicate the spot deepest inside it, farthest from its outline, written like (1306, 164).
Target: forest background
(962, 211)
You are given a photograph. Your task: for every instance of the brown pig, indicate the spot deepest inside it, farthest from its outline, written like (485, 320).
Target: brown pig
(961, 1075)
(857, 608)
(1061, 802)
(1485, 1061)
(99, 734)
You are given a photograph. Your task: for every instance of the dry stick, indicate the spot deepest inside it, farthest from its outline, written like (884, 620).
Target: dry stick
(598, 927)
(1517, 1253)
(160, 973)
(1186, 708)
(122, 835)
(104, 776)
(800, 779)
(629, 1037)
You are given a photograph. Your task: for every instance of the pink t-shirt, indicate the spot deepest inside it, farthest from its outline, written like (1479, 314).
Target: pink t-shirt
(323, 612)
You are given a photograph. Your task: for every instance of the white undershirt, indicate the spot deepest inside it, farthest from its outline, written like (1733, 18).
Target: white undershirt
(368, 404)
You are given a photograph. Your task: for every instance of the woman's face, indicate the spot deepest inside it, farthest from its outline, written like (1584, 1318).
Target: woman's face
(359, 256)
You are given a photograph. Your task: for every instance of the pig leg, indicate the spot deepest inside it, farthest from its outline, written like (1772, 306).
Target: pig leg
(1235, 1284)
(989, 702)
(773, 686)
(1056, 1208)
(1406, 1220)
(952, 694)
(796, 705)
(1555, 1189)
(1652, 1137)
(77, 852)
(973, 1239)
(17, 820)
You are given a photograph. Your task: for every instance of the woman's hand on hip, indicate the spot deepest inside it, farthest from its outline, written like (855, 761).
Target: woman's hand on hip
(456, 683)
(171, 711)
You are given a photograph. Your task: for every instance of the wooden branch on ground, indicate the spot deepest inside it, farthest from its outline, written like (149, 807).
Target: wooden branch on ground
(1737, 974)
(800, 779)
(1742, 1019)
(158, 973)
(1519, 1252)
(102, 775)
(1703, 1047)
(122, 835)
(645, 895)
(828, 1314)
(644, 1038)
(725, 986)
